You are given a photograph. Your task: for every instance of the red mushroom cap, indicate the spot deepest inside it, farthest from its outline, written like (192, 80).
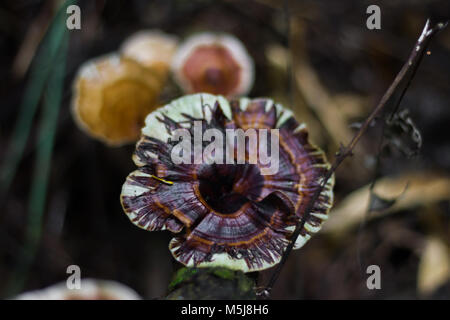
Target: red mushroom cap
(213, 63)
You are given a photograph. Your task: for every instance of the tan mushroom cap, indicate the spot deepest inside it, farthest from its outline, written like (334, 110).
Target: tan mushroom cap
(91, 289)
(213, 63)
(112, 96)
(151, 48)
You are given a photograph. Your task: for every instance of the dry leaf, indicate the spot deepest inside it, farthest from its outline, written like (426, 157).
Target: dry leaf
(434, 267)
(423, 188)
(319, 99)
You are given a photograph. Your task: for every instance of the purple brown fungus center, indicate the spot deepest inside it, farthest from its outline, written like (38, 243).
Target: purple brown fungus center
(230, 178)
(223, 188)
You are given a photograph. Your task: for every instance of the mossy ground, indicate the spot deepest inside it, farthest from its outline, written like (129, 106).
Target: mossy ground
(211, 283)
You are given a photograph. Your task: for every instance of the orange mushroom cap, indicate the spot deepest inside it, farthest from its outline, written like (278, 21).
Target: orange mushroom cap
(112, 96)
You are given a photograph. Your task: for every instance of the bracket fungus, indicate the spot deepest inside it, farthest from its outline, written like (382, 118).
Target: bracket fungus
(227, 214)
(90, 289)
(112, 95)
(213, 63)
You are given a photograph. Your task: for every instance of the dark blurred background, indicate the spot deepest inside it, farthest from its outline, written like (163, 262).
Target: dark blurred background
(316, 57)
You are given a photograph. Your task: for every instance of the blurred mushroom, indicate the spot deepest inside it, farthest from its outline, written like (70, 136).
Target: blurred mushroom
(232, 214)
(91, 289)
(152, 49)
(213, 63)
(112, 95)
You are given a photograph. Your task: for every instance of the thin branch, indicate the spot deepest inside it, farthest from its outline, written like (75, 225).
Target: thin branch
(371, 192)
(344, 151)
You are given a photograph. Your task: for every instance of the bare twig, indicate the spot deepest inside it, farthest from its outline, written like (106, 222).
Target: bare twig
(344, 151)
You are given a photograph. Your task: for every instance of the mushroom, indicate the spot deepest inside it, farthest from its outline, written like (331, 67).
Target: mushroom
(151, 48)
(112, 95)
(91, 289)
(226, 214)
(213, 63)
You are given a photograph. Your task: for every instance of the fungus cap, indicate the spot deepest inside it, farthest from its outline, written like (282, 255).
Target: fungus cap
(226, 214)
(151, 48)
(112, 96)
(213, 63)
(91, 289)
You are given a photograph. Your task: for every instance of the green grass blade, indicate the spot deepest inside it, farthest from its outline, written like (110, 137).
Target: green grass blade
(42, 65)
(42, 166)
